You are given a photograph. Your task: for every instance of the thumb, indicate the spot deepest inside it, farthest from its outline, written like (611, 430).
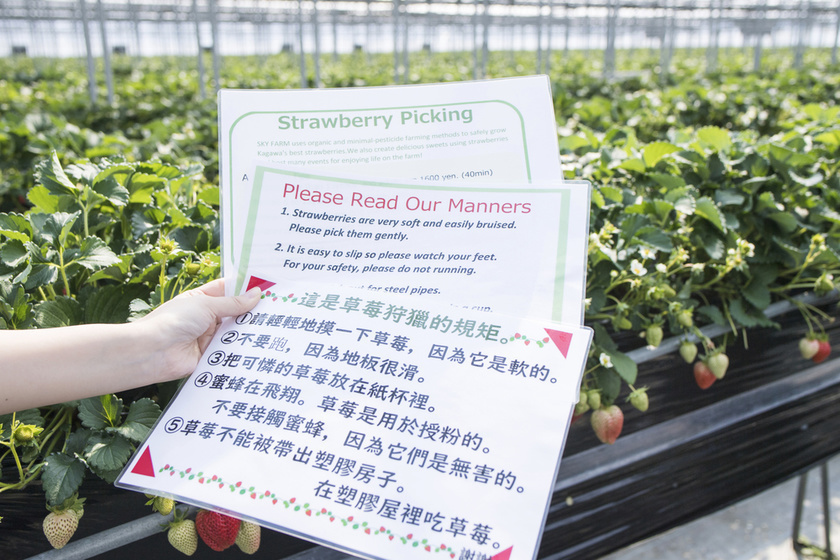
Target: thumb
(236, 305)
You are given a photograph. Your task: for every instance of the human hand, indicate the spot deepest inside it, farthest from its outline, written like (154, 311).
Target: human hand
(183, 327)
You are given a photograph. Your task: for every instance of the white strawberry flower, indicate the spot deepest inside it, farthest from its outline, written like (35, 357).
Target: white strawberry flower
(637, 268)
(605, 360)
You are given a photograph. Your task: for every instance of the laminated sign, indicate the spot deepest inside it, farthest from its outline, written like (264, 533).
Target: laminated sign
(387, 427)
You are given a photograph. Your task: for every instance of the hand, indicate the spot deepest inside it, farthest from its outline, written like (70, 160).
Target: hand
(184, 326)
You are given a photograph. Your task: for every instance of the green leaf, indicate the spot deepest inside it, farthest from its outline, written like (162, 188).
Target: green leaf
(712, 313)
(810, 181)
(748, 316)
(670, 182)
(57, 226)
(111, 304)
(612, 193)
(15, 226)
(102, 412)
(50, 174)
(13, 253)
(210, 196)
(43, 200)
(785, 221)
(112, 191)
(784, 158)
(757, 293)
(706, 208)
(142, 415)
(655, 237)
(624, 366)
(572, 143)
(61, 477)
(94, 253)
(609, 382)
(729, 197)
(60, 312)
(655, 151)
(716, 138)
(633, 164)
(107, 452)
(831, 137)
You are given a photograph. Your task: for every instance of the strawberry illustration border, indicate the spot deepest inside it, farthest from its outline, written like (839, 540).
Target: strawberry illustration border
(309, 510)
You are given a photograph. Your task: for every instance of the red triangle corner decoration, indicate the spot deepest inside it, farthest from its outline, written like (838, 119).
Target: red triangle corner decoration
(144, 464)
(505, 554)
(561, 339)
(257, 281)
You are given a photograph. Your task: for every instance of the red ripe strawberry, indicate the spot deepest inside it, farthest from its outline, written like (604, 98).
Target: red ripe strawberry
(809, 347)
(218, 531)
(822, 352)
(703, 375)
(607, 423)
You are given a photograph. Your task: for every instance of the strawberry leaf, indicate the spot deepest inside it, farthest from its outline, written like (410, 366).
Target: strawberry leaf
(60, 312)
(99, 413)
(61, 477)
(106, 453)
(142, 415)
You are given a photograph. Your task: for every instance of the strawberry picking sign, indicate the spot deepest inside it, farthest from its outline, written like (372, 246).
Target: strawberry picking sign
(388, 428)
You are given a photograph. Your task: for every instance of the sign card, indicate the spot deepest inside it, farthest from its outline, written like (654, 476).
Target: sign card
(487, 131)
(389, 428)
(515, 249)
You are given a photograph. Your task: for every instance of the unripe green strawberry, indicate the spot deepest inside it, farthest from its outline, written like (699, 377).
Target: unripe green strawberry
(26, 433)
(248, 538)
(653, 335)
(582, 406)
(163, 505)
(718, 364)
(822, 352)
(607, 423)
(808, 347)
(59, 527)
(703, 376)
(688, 351)
(824, 284)
(639, 399)
(183, 536)
(593, 398)
(685, 318)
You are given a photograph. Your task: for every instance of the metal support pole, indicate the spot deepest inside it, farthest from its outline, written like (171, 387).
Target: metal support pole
(91, 66)
(609, 52)
(202, 91)
(214, 30)
(539, 37)
(304, 79)
(396, 30)
(836, 36)
(799, 53)
(550, 39)
(316, 58)
(714, 38)
(485, 39)
(757, 52)
(106, 54)
(335, 35)
(798, 543)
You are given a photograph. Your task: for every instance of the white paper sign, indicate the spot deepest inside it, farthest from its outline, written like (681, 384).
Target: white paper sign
(513, 249)
(386, 427)
(491, 131)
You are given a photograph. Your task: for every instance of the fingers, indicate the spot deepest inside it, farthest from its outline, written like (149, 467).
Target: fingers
(230, 306)
(215, 288)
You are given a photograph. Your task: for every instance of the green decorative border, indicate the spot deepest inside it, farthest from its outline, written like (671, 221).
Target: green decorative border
(291, 504)
(563, 222)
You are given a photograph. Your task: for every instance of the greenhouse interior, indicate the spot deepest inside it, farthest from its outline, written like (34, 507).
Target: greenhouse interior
(705, 134)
